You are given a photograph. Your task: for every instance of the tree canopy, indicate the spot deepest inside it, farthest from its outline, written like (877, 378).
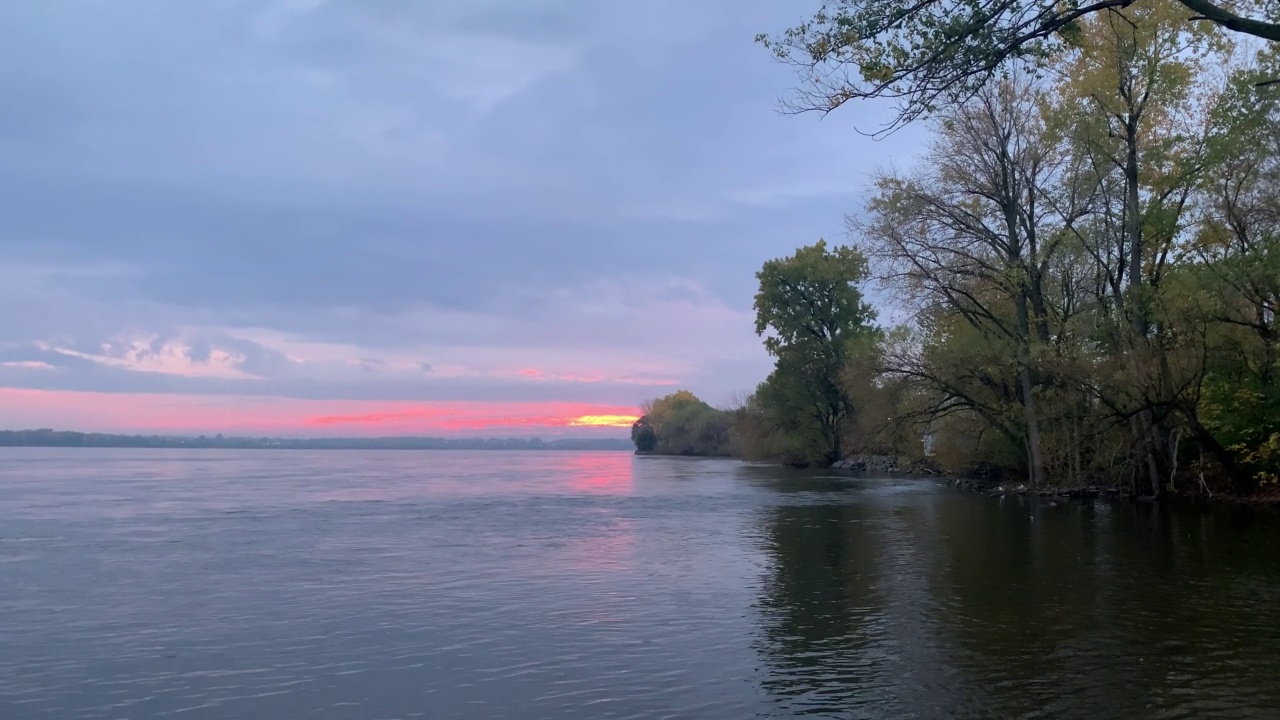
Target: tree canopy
(1086, 254)
(811, 299)
(682, 424)
(810, 310)
(927, 54)
(1086, 258)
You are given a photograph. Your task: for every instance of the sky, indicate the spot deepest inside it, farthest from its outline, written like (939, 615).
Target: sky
(375, 217)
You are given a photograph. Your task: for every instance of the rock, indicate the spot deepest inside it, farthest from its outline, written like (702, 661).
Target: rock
(869, 464)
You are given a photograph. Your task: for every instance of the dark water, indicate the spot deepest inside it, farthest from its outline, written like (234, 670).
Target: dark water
(147, 584)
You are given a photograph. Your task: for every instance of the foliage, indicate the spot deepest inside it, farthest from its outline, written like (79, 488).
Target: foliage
(811, 299)
(1233, 264)
(681, 424)
(930, 54)
(1089, 252)
(811, 313)
(643, 435)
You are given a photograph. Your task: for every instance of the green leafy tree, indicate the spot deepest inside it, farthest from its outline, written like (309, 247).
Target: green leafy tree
(1090, 250)
(967, 230)
(643, 435)
(809, 309)
(1236, 269)
(682, 424)
(1133, 88)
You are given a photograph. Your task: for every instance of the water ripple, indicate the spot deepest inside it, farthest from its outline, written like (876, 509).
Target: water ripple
(202, 585)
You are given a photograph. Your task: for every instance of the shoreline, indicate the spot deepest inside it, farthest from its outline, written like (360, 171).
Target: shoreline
(997, 489)
(889, 466)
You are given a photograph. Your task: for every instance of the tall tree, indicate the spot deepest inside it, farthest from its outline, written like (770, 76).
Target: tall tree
(974, 231)
(1130, 88)
(809, 309)
(1236, 255)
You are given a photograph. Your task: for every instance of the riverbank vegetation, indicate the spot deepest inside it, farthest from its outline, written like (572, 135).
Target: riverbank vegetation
(815, 323)
(1087, 252)
(681, 424)
(1090, 250)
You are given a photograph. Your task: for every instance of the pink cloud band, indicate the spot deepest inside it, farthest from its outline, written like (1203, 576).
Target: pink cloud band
(177, 414)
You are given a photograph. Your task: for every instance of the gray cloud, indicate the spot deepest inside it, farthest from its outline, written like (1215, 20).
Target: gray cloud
(425, 185)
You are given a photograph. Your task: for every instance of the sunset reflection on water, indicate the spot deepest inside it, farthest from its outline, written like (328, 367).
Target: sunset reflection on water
(608, 473)
(576, 586)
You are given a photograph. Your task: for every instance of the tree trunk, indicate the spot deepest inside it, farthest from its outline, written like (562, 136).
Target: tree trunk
(1077, 441)
(1240, 482)
(1033, 429)
(1150, 432)
(1035, 455)
(1133, 225)
(1039, 308)
(1150, 438)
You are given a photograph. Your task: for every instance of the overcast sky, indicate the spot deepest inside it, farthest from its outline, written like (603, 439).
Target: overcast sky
(360, 216)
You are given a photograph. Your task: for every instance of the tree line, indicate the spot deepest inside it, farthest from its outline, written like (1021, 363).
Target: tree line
(1088, 252)
(814, 321)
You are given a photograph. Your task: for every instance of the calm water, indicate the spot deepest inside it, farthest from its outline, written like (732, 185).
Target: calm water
(147, 584)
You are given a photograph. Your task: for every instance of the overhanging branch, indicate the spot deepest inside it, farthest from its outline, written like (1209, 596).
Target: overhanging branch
(1231, 21)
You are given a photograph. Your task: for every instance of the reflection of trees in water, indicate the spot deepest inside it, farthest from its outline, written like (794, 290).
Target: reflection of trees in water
(1073, 610)
(937, 604)
(848, 619)
(1015, 589)
(819, 602)
(1197, 596)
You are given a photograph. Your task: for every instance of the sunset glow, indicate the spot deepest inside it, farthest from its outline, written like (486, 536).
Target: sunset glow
(618, 421)
(150, 413)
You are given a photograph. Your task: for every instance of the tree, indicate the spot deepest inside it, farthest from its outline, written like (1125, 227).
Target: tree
(1235, 262)
(927, 54)
(682, 424)
(976, 229)
(1131, 89)
(891, 413)
(1090, 249)
(809, 309)
(1091, 256)
(643, 435)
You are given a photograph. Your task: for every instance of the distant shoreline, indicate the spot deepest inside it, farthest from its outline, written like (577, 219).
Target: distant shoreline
(47, 438)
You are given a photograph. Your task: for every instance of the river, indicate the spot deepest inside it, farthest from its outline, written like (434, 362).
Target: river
(446, 584)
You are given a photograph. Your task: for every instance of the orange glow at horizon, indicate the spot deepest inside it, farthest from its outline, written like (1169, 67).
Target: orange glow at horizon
(161, 413)
(450, 420)
(617, 421)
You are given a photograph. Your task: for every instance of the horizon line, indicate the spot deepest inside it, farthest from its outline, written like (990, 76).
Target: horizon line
(316, 438)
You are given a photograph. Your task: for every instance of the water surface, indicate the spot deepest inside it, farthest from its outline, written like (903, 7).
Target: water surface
(259, 584)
